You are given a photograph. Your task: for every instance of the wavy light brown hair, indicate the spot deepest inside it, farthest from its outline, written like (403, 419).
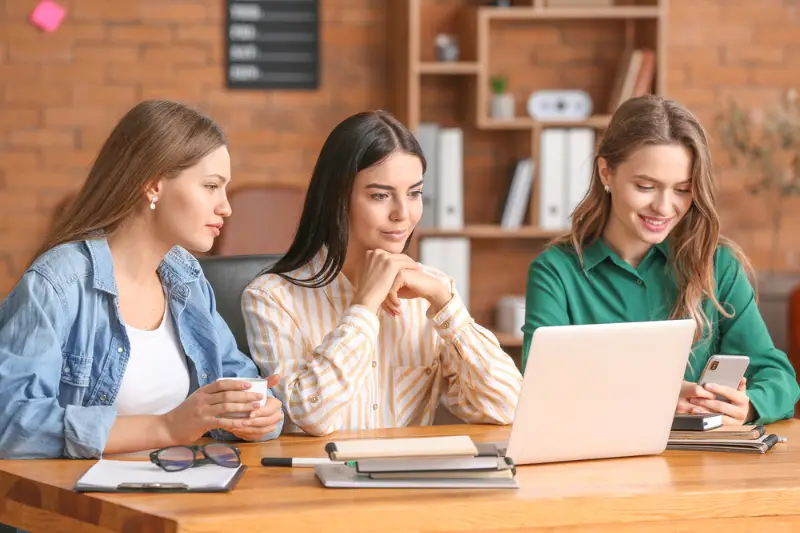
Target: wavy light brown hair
(155, 139)
(652, 120)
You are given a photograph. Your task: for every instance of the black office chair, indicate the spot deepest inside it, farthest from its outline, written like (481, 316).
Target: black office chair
(228, 276)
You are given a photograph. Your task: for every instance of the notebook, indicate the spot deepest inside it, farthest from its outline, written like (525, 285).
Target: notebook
(437, 467)
(506, 473)
(351, 450)
(761, 444)
(425, 464)
(144, 476)
(696, 422)
(344, 476)
(724, 432)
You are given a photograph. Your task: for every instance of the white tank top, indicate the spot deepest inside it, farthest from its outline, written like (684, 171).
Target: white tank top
(156, 379)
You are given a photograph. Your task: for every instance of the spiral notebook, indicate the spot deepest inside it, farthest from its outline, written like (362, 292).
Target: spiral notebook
(762, 444)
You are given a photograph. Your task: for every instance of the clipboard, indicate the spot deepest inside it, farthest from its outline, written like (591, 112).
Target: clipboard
(143, 476)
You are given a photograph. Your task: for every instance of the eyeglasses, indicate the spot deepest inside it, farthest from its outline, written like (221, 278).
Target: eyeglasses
(177, 458)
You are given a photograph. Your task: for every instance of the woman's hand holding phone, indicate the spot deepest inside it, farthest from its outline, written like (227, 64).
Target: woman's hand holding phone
(735, 411)
(690, 391)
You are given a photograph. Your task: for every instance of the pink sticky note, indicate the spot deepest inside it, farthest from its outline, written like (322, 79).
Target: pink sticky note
(48, 15)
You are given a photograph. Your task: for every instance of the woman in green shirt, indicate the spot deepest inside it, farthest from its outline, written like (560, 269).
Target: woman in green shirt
(645, 245)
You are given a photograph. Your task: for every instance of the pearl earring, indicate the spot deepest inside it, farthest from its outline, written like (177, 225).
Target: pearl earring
(153, 202)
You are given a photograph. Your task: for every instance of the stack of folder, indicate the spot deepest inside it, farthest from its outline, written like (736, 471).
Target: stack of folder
(744, 439)
(427, 462)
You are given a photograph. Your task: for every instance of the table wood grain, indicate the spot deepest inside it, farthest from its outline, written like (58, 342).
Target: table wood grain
(676, 491)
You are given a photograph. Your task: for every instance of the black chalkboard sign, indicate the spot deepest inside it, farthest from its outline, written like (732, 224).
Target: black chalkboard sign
(272, 44)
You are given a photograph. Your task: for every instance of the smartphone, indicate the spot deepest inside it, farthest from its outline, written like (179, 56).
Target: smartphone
(726, 370)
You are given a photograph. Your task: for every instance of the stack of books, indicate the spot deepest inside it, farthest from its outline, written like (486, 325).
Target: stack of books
(426, 462)
(707, 435)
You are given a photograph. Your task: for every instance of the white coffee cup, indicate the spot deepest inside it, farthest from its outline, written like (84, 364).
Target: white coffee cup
(256, 385)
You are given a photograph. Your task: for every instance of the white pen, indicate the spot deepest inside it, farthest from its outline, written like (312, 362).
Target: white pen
(296, 462)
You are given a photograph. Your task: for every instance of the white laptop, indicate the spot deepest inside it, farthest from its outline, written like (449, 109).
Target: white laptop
(600, 391)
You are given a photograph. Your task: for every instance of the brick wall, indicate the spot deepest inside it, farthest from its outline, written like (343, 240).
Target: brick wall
(61, 93)
(750, 51)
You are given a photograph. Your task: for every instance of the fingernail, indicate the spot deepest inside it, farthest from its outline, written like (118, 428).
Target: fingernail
(256, 405)
(709, 386)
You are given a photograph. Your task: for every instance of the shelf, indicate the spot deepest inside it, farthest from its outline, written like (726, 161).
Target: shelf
(508, 340)
(448, 68)
(528, 13)
(525, 123)
(489, 231)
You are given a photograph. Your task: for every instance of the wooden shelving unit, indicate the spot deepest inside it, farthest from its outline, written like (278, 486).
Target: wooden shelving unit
(523, 123)
(508, 340)
(456, 68)
(574, 13)
(458, 94)
(487, 231)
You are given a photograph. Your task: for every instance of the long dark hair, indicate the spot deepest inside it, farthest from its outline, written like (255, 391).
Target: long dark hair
(359, 142)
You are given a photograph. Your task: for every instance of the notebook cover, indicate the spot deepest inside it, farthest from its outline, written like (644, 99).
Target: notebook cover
(435, 464)
(724, 432)
(355, 449)
(446, 474)
(699, 422)
(343, 476)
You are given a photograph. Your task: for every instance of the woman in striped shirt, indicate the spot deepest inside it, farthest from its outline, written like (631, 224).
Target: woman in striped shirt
(364, 336)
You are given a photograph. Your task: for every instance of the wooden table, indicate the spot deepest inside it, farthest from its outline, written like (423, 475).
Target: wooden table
(677, 491)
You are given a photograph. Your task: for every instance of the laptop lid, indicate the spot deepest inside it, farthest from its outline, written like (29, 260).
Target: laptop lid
(601, 390)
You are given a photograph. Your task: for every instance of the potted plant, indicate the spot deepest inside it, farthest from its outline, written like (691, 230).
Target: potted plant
(502, 104)
(768, 146)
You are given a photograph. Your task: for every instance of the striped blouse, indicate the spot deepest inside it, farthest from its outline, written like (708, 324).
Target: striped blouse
(343, 367)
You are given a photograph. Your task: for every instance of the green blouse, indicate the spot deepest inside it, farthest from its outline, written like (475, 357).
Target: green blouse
(606, 289)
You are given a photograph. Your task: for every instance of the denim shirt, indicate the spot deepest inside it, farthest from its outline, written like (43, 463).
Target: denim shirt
(64, 348)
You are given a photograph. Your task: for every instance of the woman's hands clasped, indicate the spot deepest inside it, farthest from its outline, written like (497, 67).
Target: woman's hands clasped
(386, 278)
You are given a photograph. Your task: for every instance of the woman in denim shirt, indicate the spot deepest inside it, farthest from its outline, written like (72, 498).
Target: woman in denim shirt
(110, 342)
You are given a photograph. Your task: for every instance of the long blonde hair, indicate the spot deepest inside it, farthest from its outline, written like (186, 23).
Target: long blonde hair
(155, 139)
(652, 120)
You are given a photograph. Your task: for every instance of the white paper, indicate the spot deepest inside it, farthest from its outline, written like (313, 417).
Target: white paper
(111, 474)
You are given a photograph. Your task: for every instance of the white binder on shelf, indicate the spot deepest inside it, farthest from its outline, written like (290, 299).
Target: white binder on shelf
(518, 195)
(552, 157)
(579, 163)
(451, 255)
(428, 137)
(450, 183)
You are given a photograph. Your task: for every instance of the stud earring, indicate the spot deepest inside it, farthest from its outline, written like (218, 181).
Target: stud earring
(607, 188)
(153, 202)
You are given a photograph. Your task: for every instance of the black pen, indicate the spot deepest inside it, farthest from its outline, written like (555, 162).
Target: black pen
(297, 462)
